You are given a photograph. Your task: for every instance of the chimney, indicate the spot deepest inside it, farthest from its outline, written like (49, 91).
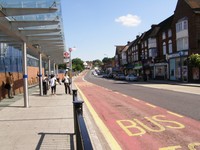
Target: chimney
(154, 25)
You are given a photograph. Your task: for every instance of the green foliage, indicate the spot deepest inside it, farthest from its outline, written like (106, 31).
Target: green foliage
(77, 64)
(194, 60)
(107, 60)
(62, 66)
(97, 63)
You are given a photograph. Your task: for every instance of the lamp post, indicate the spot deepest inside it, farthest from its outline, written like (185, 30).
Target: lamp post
(70, 64)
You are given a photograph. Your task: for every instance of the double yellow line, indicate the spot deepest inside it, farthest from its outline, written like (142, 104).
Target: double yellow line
(105, 131)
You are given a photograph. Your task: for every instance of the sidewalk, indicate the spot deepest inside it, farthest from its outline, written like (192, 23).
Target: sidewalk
(174, 83)
(46, 124)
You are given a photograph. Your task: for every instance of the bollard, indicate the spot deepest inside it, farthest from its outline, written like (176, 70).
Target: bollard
(74, 91)
(78, 110)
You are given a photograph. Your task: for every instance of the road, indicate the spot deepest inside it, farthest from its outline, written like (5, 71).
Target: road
(184, 100)
(136, 116)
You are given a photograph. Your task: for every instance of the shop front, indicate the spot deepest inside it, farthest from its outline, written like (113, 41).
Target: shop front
(161, 71)
(178, 68)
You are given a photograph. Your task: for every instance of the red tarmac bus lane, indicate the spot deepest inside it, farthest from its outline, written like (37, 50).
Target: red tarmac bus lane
(138, 125)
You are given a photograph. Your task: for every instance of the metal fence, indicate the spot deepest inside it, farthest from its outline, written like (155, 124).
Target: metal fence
(83, 141)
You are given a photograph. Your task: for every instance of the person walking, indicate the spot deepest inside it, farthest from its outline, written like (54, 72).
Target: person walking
(10, 83)
(45, 83)
(67, 83)
(53, 84)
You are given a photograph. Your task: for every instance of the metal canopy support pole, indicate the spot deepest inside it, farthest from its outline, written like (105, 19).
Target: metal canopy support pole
(54, 68)
(49, 68)
(40, 74)
(25, 76)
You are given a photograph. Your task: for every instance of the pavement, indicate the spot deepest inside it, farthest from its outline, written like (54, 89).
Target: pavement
(47, 124)
(175, 83)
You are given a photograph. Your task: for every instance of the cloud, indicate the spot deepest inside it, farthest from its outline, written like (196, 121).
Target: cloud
(129, 20)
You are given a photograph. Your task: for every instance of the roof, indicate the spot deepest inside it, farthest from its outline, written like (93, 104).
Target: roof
(38, 23)
(166, 23)
(119, 49)
(127, 46)
(193, 3)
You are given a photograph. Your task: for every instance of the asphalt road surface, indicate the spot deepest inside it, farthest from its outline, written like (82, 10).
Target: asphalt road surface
(184, 100)
(135, 116)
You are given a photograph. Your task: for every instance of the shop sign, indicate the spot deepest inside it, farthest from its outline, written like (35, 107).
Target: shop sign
(178, 54)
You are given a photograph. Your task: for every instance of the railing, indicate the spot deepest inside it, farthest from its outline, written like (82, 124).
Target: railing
(82, 137)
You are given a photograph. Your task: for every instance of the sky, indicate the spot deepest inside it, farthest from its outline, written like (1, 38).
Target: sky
(95, 27)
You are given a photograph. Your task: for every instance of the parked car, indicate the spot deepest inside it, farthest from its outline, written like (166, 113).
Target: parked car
(132, 77)
(120, 76)
(94, 73)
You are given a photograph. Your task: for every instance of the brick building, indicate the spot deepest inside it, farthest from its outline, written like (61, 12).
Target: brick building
(162, 52)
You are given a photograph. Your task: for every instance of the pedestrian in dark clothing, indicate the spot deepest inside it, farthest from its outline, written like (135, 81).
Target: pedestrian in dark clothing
(45, 85)
(66, 83)
(9, 85)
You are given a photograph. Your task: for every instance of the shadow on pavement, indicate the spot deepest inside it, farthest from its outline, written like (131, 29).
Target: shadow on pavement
(57, 141)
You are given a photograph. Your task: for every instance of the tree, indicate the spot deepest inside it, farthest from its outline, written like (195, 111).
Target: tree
(97, 63)
(62, 66)
(77, 64)
(107, 60)
(194, 60)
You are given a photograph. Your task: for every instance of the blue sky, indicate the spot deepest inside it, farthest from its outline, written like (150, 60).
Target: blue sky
(94, 27)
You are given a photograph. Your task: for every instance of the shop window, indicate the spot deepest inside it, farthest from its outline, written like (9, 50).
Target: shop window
(160, 71)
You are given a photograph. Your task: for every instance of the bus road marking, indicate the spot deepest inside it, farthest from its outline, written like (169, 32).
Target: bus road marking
(124, 95)
(135, 99)
(151, 105)
(175, 114)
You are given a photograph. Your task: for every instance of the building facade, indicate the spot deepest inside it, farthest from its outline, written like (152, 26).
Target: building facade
(162, 52)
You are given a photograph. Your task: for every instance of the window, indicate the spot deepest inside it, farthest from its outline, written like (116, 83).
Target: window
(146, 54)
(170, 46)
(163, 35)
(150, 52)
(185, 25)
(182, 43)
(136, 56)
(182, 25)
(145, 44)
(164, 48)
(169, 33)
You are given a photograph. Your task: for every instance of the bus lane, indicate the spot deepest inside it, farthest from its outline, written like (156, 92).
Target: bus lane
(138, 125)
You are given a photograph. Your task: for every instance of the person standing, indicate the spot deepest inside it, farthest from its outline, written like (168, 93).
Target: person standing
(53, 84)
(10, 82)
(67, 83)
(45, 85)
